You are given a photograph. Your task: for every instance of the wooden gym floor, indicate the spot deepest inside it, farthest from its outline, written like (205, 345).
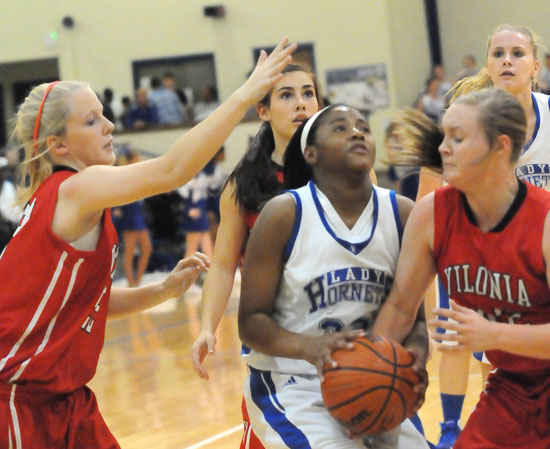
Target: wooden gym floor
(151, 398)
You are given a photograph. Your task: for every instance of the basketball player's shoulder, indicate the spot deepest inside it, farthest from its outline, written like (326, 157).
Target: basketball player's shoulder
(445, 198)
(543, 101)
(279, 211)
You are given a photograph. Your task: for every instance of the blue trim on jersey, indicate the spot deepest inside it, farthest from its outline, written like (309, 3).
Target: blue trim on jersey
(443, 303)
(354, 248)
(396, 215)
(263, 392)
(297, 220)
(245, 350)
(537, 124)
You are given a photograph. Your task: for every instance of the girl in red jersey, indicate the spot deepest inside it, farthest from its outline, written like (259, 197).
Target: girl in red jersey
(56, 271)
(473, 234)
(512, 64)
(256, 179)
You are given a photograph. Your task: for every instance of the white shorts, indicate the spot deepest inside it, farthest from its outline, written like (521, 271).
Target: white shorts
(288, 412)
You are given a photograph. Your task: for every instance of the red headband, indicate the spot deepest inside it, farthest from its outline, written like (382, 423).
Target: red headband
(39, 115)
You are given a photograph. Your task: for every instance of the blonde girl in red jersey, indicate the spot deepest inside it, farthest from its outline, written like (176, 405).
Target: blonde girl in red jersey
(472, 233)
(512, 65)
(53, 311)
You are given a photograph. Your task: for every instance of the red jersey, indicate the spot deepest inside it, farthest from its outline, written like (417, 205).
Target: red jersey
(54, 299)
(500, 274)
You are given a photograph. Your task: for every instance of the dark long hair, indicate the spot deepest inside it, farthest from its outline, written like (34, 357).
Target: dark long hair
(255, 176)
(296, 171)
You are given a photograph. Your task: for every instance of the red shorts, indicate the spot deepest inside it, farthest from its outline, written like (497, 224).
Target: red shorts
(513, 412)
(37, 420)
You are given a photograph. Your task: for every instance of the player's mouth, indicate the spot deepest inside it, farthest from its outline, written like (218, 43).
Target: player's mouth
(360, 148)
(507, 73)
(109, 145)
(300, 118)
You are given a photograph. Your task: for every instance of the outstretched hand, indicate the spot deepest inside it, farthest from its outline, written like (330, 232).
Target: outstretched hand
(185, 273)
(267, 71)
(473, 332)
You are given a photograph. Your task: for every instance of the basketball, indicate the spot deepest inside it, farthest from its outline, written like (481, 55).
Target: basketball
(371, 389)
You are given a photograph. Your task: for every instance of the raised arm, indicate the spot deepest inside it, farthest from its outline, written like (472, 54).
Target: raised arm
(98, 187)
(415, 270)
(218, 284)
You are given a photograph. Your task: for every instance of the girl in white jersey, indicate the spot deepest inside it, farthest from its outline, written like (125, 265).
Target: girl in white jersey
(319, 263)
(511, 65)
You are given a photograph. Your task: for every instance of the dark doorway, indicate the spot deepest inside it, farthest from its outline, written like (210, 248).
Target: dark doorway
(16, 80)
(22, 88)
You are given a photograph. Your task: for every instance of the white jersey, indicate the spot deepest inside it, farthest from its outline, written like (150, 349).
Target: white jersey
(335, 278)
(534, 162)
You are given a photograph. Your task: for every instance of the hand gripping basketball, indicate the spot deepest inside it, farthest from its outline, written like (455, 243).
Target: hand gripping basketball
(372, 389)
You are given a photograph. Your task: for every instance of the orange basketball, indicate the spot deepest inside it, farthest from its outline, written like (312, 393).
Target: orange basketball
(371, 389)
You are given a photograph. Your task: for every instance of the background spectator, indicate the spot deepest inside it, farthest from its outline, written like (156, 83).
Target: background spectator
(208, 101)
(544, 81)
(132, 230)
(125, 114)
(405, 178)
(169, 82)
(432, 102)
(469, 69)
(107, 104)
(195, 222)
(170, 110)
(9, 214)
(445, 82)
(143, 113)
(215, 182)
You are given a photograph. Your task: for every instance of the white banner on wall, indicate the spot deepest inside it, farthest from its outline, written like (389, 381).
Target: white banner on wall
(364, 87)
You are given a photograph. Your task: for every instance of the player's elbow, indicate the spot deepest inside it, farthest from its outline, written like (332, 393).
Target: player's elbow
(244, 328)
(251, 329)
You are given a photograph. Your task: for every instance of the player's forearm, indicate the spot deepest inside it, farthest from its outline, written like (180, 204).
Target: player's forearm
(393, 322)
(418, 338)
(522, 339)
(127, 301)
(193, 150)
(262, 333)
(216, 292)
